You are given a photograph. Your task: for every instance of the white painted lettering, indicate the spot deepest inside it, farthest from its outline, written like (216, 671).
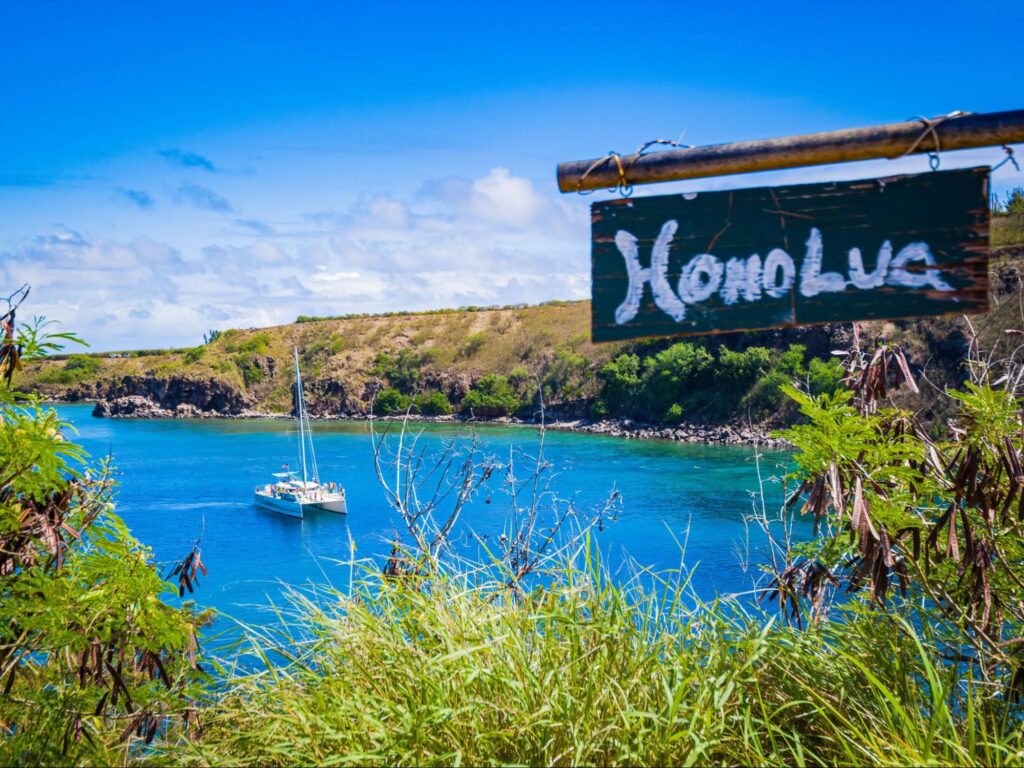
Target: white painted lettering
(742, 278)
(750, 279)
(656, 275)
(779, 273)
(911, 254)
(700, 278)
(812, 280)
(875, 278)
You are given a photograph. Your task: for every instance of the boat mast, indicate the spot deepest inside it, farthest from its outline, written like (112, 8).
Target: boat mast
(300, 406)
(312, 451)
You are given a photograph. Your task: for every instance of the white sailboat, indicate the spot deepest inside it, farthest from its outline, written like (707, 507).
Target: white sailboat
(288, 495)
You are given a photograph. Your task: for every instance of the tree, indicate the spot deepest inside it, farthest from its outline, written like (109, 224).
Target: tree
(491, 395)
(90, 655)
(1015, 202)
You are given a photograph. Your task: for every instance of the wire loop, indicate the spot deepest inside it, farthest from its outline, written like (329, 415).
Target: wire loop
(624, 187)
(930, 124)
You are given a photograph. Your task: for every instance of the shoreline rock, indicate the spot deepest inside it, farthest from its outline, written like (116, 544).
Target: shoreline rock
(138, 407)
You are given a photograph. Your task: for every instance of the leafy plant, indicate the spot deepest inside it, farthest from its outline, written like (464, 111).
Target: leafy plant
(491, 395)
(91, 659)
(433, 403)
(389, 401)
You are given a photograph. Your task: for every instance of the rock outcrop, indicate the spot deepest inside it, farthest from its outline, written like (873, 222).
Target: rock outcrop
(151, 397)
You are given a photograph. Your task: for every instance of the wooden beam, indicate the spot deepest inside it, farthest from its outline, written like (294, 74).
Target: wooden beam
(955, 131)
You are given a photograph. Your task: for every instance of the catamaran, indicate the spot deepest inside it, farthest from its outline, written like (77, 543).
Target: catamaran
(288, 495)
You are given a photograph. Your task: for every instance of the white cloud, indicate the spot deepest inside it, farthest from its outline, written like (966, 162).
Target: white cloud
(491, 240)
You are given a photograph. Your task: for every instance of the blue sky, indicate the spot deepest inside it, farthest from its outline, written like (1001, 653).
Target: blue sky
(170, 168)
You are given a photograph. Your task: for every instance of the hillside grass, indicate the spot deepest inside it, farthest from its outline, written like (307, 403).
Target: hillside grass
(1008, 230)
(588, 671)
(470, 343)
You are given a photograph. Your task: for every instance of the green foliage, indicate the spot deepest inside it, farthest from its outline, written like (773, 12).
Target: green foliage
(766, 394)
(474, 343)
(672, 375)
(588, 671)
(674, 414)
(686, 378)
(824, 376)
(940, 518)
(252, 373)
(432, 403)
(402, 370)
(520, 378)
(390, 401)
(491, 395)
(195, 354)
(739, 370)
(621, 384)
(91, 658)
(77, 368)
(568, 375)
(258, 344)
(1014, 205)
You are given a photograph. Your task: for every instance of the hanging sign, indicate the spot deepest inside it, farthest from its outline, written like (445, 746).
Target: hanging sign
(773, 257)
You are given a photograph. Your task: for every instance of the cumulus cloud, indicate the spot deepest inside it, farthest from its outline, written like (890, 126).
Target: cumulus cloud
(203, 197)
(495, 239)
(187, 159)
(137, 197)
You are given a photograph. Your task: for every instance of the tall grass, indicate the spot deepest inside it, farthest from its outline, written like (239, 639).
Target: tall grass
(1008, 230)
(456, 670)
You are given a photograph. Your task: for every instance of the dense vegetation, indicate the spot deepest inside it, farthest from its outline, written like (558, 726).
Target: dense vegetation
(686, 379)
(1008, 219)
(91, 657)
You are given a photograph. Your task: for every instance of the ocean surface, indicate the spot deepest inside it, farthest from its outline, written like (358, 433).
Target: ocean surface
(182, 478)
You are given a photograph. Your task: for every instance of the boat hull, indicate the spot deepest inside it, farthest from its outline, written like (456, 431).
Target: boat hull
(337, 506)
(334, 503)
(281, 506)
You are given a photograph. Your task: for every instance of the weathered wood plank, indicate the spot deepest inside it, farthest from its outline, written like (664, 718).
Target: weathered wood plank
(904, 246)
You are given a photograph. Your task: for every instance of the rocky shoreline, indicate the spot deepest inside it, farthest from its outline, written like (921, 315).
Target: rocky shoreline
(138, 407)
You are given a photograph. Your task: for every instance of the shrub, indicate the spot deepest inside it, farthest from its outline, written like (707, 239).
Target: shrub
(1014, 205)
(621, 384)
(824, 376)
(568, 373)
(258, 344)
(741, 369)
(791, 362)
(492, 395)
(87, 643)
(674, 415)
(402, 370)
(433, 404)
(252, 373)
(390, 400)
(195, 354)
(766, 395)
(672, 374)
(76, 368)
(474, 343)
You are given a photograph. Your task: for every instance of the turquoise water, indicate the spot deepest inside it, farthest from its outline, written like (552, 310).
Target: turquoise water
(180, 477)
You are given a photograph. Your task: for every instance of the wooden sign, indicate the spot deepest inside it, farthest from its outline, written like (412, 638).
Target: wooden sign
(748, 259)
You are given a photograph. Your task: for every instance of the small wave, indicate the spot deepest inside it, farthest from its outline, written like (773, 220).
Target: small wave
(196, 505)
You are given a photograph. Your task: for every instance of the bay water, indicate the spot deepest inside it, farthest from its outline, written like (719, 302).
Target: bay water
(681, 503)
